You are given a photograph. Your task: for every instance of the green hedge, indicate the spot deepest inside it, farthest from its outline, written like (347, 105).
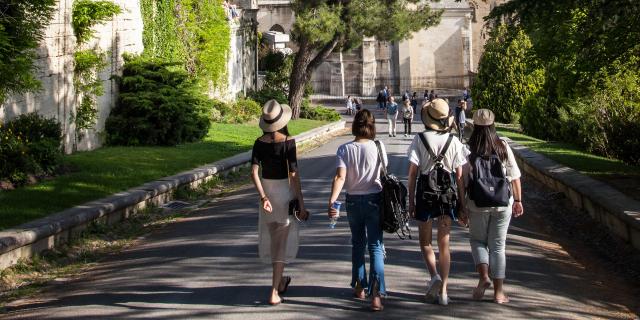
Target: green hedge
(157, 106)
(240, 111)
(29, 145)
(307, 111)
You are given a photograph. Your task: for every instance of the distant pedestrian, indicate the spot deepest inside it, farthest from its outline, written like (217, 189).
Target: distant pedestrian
(492, 202)
(392, 116)
(381, 99)
(407, 117)
(436, 159)
(358, 171)
(358, 103)
(414, 102)
(461, 118)
(426, 95)
(466, 94)
(279, 184)
(432, 95)
(350, 106)
(406, 96)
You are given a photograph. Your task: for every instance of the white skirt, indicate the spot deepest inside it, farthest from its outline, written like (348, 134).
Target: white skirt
(278, 232)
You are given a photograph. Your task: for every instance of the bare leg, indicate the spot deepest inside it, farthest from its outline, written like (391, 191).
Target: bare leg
(424, 229)
(444, 229)
(498, 291)
(483, 281)
(278, 269)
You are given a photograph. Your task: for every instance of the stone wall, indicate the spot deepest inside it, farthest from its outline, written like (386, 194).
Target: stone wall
(54, 64)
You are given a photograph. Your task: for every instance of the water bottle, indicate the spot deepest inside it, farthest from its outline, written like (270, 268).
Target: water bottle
(334, 220)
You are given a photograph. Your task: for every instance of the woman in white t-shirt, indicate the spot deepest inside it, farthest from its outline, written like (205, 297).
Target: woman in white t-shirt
(488, 224)
(358, 171)
(438, 124)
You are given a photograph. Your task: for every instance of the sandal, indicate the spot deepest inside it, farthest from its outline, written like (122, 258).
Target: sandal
(376, 299)
(478, 292)
(287, 281)
(358, 291)
(502, 300)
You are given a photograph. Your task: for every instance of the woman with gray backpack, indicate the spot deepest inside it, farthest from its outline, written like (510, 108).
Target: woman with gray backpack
(436, 156)
(494, 196)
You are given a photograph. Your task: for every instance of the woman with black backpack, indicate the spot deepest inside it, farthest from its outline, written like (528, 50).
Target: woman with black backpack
(359, 163)
(494, 196)
(436, 156)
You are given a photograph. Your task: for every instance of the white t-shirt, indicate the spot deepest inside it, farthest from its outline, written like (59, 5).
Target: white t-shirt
(361, 162)
(455, 157)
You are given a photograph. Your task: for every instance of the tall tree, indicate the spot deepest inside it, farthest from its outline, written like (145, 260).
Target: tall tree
(323, 26)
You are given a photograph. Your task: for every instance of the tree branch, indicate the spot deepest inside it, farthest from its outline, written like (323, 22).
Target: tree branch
(324, 53)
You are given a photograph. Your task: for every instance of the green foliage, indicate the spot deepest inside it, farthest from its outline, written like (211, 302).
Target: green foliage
(240, 111)
(88, 87)
(29, 145)
(157, 106)
(507, 75)
(307, 111)
(22, 26)
(194, 33)
(265, 94)
(88, 13)
(589, 50)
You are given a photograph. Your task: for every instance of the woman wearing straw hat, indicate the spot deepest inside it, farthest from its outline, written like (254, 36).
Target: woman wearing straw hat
(489, 219)
(437, 137)
(280, 183)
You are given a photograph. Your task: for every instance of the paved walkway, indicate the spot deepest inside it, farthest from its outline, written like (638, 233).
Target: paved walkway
(205, 267)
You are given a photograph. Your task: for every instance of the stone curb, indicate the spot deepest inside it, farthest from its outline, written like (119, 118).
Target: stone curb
(620, 213)
(33, 237)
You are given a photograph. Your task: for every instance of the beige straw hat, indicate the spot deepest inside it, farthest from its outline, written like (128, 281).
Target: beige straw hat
(275, 116)
(483, 117)
(435, 115)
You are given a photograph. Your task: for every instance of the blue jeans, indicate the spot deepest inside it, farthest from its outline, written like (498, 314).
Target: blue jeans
(363, 212)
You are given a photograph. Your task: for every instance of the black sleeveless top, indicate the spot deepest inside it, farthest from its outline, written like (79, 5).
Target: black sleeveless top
(271, 156)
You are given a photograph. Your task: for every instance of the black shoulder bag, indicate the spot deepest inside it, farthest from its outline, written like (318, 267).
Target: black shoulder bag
(394, 217)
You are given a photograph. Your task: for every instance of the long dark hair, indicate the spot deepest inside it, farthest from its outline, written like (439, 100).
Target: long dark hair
(284, 130)
(364, 125)
(485, 142)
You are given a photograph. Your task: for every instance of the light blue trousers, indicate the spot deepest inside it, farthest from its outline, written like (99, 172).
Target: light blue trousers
(488, 237)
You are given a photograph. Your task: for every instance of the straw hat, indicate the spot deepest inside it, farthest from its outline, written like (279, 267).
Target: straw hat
(275, 116)
(483, 117)
(435, 115)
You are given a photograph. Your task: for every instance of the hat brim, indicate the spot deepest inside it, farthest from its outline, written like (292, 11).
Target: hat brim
(433, 124)
(281, 123)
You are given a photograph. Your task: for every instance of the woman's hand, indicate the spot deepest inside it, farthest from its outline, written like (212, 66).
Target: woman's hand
(464, 217)
(412, 210)
(517, 209)
(303, 215)
(266, 205)
(332, 212)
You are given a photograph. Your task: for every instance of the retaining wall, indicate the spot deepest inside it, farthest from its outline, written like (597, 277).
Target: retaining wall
(34, 237)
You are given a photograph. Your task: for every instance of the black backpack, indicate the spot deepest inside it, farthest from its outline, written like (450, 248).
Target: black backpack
(437, 189)
(394, 217)
(489, 186)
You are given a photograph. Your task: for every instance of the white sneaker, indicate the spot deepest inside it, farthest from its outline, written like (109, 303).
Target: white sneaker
(443, 300)
(434, 288)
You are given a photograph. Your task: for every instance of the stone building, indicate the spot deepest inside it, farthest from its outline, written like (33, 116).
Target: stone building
(55, 64)
(441, 57)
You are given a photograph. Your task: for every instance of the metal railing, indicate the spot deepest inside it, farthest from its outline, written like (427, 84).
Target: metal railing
(368, 87)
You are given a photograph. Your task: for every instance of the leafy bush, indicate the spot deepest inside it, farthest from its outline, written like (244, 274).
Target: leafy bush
(507, 77)
(157, 106)
(29, 145)
(265, 94)
(307, 111)
(240, 111)
(88, 13)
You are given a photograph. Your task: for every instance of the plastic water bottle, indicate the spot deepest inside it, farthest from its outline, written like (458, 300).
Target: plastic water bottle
(334, 220)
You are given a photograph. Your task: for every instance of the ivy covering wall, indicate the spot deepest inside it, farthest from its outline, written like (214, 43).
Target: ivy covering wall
(194, 33)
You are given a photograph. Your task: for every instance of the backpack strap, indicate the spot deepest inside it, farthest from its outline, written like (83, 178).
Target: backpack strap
(383, 167)
(444, 150)
(426, 145)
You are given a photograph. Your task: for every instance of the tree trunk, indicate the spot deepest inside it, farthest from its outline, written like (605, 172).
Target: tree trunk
(303, 67)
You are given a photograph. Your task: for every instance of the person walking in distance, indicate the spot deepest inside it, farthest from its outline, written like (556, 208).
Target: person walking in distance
(495, 196)
(278, 231)
(358, 171)
(414, 102)
(461, 118)
(392, 116)
(407, 117)
(381, 99)
(437, 158)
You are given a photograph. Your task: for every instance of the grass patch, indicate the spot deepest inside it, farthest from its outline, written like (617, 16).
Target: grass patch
(110, 170)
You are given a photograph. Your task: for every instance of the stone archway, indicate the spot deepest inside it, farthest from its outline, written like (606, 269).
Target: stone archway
(277, 28)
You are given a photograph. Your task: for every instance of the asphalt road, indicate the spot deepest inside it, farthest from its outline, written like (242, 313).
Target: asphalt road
(205, 266)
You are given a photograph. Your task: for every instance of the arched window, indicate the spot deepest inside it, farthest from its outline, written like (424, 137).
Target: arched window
(277, 27)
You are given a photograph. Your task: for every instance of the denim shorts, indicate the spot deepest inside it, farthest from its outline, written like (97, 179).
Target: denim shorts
(424, 214)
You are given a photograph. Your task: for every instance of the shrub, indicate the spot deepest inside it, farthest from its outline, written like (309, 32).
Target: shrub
(265, 94)
(157, 106)
(307, 111)
(240, 111)
(88, 13)
(29, 145)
